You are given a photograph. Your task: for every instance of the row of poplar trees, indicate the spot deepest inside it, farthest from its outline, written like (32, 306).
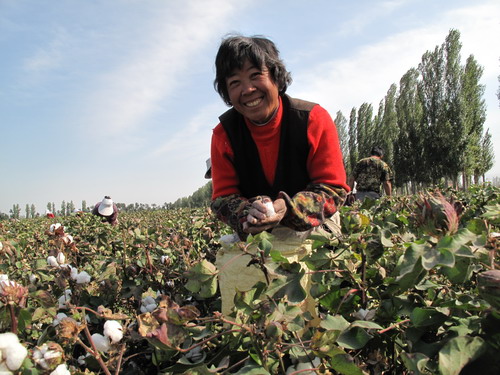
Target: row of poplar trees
(431, 128)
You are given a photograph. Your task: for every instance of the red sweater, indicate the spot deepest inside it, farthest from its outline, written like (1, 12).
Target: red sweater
(324, 162)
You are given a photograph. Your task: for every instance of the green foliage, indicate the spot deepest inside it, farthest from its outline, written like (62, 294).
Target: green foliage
(395, 294)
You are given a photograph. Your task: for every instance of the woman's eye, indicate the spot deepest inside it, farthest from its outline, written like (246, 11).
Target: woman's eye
(233, 83)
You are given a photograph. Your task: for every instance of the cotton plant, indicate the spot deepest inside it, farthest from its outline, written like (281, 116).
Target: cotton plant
(80, 277)
(303, 366)
(101, 342)
(12, 353)
(363, 314)
(148, 304)
(113, 333)
(65, 299)
(58, 318)
(62, 369)
(57, 261)
(54, 227)
(165, 259)
(113, 330)
(58, 230)
(48, 356)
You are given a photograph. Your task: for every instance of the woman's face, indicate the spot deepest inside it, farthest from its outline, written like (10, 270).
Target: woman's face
(253, 93)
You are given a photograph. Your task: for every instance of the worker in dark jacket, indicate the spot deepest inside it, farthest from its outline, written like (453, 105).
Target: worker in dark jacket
(107, 210)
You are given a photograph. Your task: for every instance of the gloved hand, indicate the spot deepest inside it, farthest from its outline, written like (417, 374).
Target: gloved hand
(261, 217)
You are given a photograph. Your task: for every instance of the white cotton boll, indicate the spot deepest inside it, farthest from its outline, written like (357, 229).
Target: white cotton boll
(52, 261)
(64, 299)
(151, 307)
(101, 342)
(62, 302)
(61, 258)
(113, 330)
(69, 238)
(270, 209)
(58, 318)
(164, 259)
(4, 369)
(55, 226)
(81, 359)
(74, 272)
(8, 339)
(32, 278)
(62, 369)
(229, 238)
(82, 278)
(148, 300)
(14, 355)
(4, 277)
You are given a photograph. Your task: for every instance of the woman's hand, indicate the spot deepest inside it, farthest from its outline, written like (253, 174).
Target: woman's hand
(262, 216)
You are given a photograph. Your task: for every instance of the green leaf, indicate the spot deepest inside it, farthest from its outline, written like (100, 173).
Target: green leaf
(385, 238)
(353, 338)
(424, 317)
(24, 319)
(477, 226)
(461, 272)
(437, 257)
(288, 284)
(344, 364)
(458, 352)
(415, 362)
(202, 279)
(335, 322)
(366, 324)
(252, 369)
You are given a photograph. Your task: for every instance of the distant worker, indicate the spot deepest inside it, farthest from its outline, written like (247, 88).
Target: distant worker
(107, 210)
(369, 173)
(49, 213)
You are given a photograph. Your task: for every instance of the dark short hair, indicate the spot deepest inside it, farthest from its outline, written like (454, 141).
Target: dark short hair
(377, 151)
(260, 51)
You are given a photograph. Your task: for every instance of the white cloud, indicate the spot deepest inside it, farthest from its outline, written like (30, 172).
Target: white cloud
(133, 91)
(48, 57)
(195, 135)
(366, 75)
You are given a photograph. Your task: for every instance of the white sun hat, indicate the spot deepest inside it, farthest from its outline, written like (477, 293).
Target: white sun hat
(106, 206)
(208, 173)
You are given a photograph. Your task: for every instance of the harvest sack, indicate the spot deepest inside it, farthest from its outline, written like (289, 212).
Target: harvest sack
(235, 274)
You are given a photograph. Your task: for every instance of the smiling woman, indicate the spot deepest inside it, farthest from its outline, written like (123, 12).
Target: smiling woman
(276, 165)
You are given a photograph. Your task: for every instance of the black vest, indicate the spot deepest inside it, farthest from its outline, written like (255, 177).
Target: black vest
(291, 171)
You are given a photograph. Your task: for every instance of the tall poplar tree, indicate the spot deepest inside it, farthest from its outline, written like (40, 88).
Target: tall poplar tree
(487, 157)
(389, 124)
(473, 118)
(342, 131)
(364, 129)
(453, 158)
(432, 72)
(353, 144)
(409, 158)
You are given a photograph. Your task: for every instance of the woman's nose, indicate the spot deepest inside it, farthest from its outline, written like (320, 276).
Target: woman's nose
(247, 87)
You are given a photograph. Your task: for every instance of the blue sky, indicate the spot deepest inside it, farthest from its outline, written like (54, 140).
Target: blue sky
(116, 97)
